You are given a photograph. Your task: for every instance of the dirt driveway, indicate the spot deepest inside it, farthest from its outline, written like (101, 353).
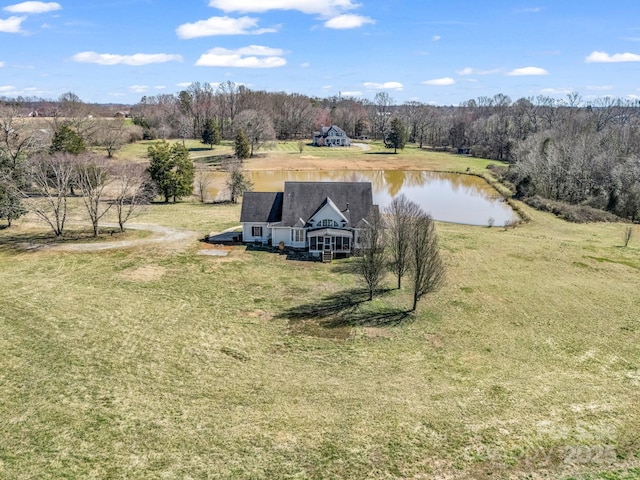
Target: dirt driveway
(175, 239)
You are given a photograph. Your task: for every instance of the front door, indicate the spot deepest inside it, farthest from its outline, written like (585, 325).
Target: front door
(328, 242)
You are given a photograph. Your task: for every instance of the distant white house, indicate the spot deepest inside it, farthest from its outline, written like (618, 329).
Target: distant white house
(332, 136)
(321, 217)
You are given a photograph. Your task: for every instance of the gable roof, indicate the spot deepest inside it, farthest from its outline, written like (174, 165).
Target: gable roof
(327, 201)
(303, 199)
(261, 207)
(324, 131)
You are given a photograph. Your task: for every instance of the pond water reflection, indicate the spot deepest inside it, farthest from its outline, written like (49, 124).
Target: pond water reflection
(448, 197)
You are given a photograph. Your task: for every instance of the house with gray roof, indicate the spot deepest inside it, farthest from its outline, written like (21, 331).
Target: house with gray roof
(321, 217)
(332, 136)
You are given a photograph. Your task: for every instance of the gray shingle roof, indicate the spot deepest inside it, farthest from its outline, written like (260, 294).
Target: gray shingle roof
(261, 207)
(302, 199)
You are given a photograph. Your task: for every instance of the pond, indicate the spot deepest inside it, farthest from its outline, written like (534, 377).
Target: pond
(448, 197)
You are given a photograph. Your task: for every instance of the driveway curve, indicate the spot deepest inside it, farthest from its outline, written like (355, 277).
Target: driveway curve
(165, 235)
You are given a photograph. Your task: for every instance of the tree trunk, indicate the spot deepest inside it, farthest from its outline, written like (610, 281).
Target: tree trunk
(399, 281)
(415, 302)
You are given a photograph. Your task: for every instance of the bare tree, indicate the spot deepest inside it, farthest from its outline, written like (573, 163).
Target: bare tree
(400, 217)
(427, 267)
(258, 127)
(17, 138)
(237, 183)
(203, 180)
(133, 191)
(628, 233)
(380, 114)
(111, 135)
(51, 177)
(372, 262)
(92, 178)
(76, 114)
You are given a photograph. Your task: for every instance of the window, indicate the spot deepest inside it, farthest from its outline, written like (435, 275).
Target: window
(328, 223)
(298, 235)
(313, 243)
(256, 231)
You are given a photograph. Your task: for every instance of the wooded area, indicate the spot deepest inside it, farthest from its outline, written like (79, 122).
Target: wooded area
(582, 152)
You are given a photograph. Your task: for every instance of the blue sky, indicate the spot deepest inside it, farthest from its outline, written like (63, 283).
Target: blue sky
(441, 52)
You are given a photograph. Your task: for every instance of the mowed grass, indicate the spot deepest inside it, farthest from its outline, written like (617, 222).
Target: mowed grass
(286, 155)
(158, 362)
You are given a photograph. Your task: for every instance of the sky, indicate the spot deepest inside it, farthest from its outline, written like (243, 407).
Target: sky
(438, 52)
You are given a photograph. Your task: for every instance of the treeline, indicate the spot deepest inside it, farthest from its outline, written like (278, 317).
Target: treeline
(571, 150)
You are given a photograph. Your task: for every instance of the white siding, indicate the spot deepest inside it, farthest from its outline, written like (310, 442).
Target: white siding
(247, 232)
(327, 213)
(282, 234)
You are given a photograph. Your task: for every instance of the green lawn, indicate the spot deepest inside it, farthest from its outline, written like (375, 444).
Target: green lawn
(158, 362)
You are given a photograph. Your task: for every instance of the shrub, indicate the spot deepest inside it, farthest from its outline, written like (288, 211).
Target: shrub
(570, 213)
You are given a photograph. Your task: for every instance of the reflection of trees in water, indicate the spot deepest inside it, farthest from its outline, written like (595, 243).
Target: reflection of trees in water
(440, 190)
(468, 184)
(391, 182)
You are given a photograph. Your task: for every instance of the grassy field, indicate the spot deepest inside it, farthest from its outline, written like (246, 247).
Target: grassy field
(158, 362)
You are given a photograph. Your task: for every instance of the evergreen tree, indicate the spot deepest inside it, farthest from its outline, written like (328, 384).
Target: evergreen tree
(242, 148)
(397, 136)
(171, 169)
(66, 140)
(11, 206)
(211, 133)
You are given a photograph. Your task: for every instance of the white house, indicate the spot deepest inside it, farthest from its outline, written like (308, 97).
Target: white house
(314, 216)
(332, 136)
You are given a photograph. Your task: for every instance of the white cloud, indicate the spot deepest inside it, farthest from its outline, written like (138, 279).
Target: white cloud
(384, 86)
(527, 71)
(7, 88)
(436, 38)
(351, 94)
(33, 7)
(440, 81)
(532, 10)
(138, 88)
(11, 24)
(135, 60)
(633, 96)
(344, 22)
(253, 56)
(1, 64)
(557, 91)
(183, 84)
(222, 26)
(600, 88)
(475, 71)
(604, 57)
(327, 87)
(305, 65)
(304, 6)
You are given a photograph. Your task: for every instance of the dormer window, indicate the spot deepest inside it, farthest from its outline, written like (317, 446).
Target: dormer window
(328, 223)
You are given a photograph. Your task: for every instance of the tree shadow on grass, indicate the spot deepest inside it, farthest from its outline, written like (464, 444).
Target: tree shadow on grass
(334, 315)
